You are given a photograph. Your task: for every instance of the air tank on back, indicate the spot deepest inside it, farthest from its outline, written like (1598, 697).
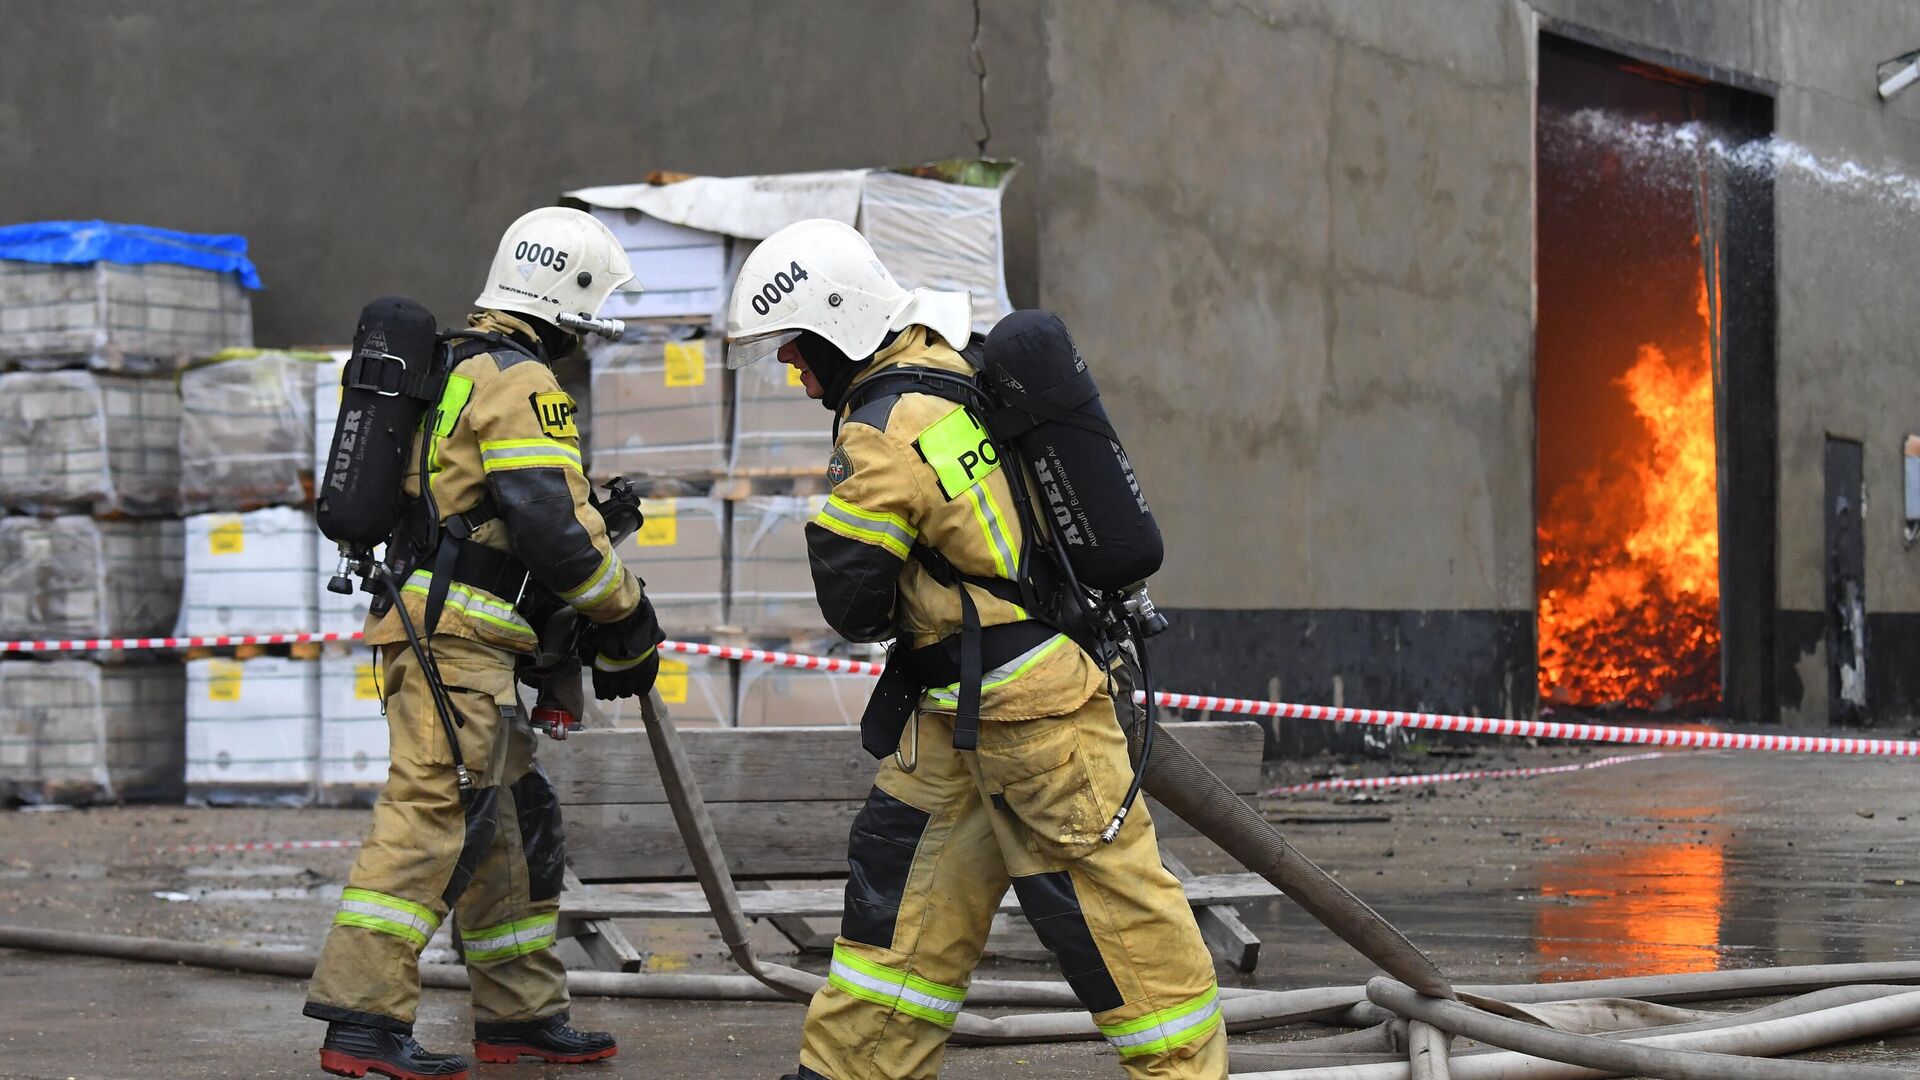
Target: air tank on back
(361, 498)
(1087, 488)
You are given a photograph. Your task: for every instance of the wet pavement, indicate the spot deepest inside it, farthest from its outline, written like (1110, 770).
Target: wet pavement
(1689, 862)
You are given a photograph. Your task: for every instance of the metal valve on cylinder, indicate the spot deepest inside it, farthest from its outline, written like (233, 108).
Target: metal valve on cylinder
(1140, 606)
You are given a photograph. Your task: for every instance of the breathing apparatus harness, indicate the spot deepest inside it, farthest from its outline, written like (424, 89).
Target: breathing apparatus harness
(1112, 626)
(393, 386)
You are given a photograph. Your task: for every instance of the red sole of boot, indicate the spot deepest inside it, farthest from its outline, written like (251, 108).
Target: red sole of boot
(340, 1064)
(508, 1053)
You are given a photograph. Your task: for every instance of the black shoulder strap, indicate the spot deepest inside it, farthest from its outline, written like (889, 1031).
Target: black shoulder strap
(912, 380)
(475, 342)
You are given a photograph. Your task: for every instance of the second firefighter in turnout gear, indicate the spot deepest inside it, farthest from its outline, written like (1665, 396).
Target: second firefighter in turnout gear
(947, 828)
(470, 825)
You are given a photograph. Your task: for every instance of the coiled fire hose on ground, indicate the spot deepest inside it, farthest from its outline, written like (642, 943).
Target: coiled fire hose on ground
(1414, 1017)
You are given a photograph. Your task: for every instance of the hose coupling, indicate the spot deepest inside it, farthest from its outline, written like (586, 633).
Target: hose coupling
(1112, 831)
(587, 324)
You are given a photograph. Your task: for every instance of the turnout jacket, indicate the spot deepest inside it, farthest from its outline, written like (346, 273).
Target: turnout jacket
(503, 427)
(911, 469)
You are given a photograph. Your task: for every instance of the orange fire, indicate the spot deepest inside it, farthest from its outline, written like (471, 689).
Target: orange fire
(1629, 576)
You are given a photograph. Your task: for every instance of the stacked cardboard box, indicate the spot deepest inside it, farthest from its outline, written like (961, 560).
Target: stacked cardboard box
(249, 573)
(776, 426)
(680, 553)
(659, 404)
(697, 691)
(353, 730)
(784, 697)
(77, 577)
(772, 582)
(74, 731)
(253, 730)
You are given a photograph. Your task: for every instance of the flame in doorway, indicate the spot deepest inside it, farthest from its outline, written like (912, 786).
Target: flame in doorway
(1629, 575)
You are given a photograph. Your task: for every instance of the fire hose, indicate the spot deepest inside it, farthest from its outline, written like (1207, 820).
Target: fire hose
(1424, 1009)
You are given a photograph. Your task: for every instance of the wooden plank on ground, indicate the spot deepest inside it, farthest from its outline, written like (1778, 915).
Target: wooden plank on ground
(611, 767)
(1220, 924)
(603, 903)
(640, 842)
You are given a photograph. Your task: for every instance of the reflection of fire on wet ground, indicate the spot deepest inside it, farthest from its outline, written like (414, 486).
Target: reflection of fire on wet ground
(1641, 908)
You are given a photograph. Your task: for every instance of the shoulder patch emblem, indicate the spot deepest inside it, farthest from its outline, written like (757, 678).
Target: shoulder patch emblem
(839, 466)
(555, 411)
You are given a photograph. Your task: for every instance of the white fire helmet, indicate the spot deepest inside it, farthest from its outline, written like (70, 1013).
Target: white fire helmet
(555, 260)
(821, 275)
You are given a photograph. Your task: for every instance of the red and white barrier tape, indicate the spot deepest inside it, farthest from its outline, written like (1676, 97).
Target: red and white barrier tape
(1693, 738)
(1375, 782)
(264, 845)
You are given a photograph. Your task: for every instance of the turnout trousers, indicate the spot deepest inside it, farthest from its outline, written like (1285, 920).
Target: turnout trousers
(494, 857)
(931, 855)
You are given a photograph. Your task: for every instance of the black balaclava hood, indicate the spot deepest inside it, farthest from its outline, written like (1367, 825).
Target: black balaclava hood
(835, 369)
(554, 342)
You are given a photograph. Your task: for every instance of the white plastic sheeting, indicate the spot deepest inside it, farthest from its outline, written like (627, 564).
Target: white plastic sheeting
(754, 207)
(71, 577)
(659, 404)
(74, 731)
(246, 430)
(80, 441)
(937, 235)
(772, 583)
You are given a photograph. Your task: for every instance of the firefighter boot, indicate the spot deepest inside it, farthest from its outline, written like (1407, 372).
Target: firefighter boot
(356, 1050)
(550, 1040)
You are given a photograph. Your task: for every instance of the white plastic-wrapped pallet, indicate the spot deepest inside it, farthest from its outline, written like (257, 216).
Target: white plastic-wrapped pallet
(678, 552)
(659, 404)
(684, 269)
(936, 234)
(784, 697)
(73, 731)
(353, 730)
(772, 583)
(77, 577)
(776, 426)
(250, 573)
(79, 441)
(253, 730)
(246, 430)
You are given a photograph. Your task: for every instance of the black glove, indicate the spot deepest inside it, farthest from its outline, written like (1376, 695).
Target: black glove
(625, 655)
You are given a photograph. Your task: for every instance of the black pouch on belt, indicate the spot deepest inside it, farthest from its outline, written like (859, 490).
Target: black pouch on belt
(894, 698)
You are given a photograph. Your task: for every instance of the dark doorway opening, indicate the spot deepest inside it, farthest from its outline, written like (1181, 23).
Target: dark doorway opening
(1846, 585)
(1654, 390)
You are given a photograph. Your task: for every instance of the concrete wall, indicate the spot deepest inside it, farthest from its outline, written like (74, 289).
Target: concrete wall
(368, 147)
(1296, 238)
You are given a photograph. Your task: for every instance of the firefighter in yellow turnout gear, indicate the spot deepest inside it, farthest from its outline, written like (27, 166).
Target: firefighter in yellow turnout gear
(503, 457)
(946, 830)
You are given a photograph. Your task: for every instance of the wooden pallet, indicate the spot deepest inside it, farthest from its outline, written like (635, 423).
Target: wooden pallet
(782, 801)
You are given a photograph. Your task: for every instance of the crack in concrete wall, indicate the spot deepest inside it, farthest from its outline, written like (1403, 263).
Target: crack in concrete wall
(977, 63)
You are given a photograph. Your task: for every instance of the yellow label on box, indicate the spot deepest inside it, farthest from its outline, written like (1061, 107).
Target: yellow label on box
(687, 363)
(227, 538)
(793, 376)
(662, 526)
(223, 680)
(672, 681)
(366, 683)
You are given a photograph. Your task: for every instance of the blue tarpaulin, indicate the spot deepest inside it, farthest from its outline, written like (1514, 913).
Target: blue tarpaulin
(97, 241)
